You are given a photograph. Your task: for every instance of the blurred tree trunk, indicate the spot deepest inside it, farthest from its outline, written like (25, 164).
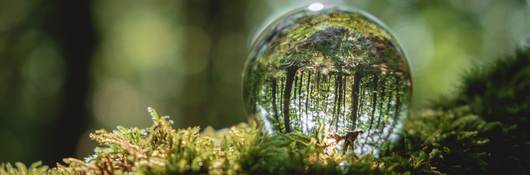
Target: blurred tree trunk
(211, 20)
(70, 25)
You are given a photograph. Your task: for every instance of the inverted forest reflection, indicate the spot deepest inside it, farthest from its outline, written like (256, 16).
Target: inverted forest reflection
(346, 103)
(335, 70)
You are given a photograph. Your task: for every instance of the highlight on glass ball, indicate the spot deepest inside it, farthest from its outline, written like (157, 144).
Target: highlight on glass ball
(326, 69)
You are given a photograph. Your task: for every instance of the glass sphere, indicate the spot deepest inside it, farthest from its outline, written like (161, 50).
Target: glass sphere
(326, 69)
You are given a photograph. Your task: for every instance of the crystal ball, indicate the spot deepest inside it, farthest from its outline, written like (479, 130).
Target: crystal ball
(329, 69)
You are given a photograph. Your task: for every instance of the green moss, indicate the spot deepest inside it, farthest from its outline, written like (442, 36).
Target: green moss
(483, 130)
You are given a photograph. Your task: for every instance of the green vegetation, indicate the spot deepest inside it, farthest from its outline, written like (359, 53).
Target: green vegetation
(483, 130)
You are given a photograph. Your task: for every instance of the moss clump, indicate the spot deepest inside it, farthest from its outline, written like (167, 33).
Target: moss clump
(483, 130)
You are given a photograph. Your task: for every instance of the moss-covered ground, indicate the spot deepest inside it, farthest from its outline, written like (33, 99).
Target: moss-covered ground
(484, 129)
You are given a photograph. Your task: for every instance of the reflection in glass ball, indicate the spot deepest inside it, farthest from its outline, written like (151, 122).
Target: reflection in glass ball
(324, 68)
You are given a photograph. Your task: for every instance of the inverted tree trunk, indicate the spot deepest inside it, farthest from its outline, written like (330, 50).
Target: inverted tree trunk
(355, 98)
(291, 73)
(274, 105)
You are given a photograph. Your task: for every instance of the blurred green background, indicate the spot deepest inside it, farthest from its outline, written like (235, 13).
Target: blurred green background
(68, 67)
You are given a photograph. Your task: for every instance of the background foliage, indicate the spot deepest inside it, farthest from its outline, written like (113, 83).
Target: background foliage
(67, 67)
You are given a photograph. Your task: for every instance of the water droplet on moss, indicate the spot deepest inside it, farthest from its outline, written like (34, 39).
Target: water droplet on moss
(334, 70)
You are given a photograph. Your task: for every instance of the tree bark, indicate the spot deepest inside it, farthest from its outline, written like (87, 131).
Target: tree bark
(326, 95)
(398, 100)
(344, 89)
(291, 73)
(355, 98)
(282, 85)
(374, 102)
(308, 96)
(300, 83)
(381, 102)
(318, 97)
(274, 106)
(397, 106)
(388, 105)
(336, 104)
